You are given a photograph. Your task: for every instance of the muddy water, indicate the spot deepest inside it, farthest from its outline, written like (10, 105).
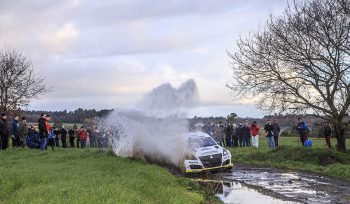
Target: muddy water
(236, 192)
(263, 185)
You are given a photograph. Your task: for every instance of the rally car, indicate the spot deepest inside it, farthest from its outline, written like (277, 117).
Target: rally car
(205, 154)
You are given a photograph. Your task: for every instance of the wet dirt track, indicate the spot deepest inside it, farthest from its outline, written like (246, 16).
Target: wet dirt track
(264, 185)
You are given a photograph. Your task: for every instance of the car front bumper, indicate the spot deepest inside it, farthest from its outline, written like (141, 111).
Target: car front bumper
(228, 166)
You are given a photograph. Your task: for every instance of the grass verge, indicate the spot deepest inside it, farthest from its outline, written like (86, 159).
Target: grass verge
(89, 176)
(290, 155)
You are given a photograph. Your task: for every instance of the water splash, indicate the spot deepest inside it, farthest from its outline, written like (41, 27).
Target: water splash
(166, 100)
(155, 130)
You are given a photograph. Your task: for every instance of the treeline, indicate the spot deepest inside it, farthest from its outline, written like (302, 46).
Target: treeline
(283, 120)
(76, 116)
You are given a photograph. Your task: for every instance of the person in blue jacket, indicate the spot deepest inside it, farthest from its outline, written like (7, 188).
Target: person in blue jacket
(303, 131)
(33, 140)
(15, 132)
(51, 138)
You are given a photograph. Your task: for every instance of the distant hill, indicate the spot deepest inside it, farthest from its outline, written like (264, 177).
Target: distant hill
(77, 116)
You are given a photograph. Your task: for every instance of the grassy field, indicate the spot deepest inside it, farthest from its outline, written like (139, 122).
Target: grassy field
(89, 176)
(318, 159)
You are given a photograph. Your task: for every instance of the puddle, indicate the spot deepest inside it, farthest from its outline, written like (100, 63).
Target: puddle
(263, 185)
(238, 193)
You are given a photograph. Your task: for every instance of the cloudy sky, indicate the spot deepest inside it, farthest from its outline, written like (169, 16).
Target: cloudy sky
(107, 54)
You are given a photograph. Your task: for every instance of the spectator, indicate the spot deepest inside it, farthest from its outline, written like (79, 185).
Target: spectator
(228, 135)
(93, 137)
(15, 132)
(276, 131)
(303, 131)
(49, 130)
(99, 136)
(211, 129)
(234, 136)
(51, 138)
(239, 133)
(33, 139)
(31, 129)
(327, 133)
(254, 129)
(43, 132)
(89, 132)
(78, 139)
(269, 134)
(246, 134)
(64, 137)
(23, 131)
(57, 133)
(4, 131)
(71, 134)
(83, 137)
(208, 128)
(219, 133)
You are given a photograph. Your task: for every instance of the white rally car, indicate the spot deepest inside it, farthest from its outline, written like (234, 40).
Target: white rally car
(205, 154)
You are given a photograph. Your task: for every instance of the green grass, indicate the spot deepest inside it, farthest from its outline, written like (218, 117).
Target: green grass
(290, 155)
(89, 176)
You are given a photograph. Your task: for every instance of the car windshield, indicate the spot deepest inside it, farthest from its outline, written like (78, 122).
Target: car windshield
(201, 142)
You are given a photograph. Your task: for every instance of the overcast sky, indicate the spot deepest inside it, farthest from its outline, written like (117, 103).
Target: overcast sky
(107, 54)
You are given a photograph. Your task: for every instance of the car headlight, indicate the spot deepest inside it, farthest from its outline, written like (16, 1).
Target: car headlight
(191, 157)
(225, 152)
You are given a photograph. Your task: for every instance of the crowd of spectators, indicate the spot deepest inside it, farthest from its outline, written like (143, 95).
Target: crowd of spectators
(43, 135)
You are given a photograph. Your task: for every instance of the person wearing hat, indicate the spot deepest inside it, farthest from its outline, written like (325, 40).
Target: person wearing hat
(4, 131)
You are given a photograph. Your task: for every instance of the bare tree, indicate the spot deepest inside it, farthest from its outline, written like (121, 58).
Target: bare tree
(18, 82)
(299, 62)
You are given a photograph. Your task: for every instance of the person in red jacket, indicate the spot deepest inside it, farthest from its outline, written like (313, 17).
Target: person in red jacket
(254, 129)
(83, 137)
(48, 126)
(51, 140)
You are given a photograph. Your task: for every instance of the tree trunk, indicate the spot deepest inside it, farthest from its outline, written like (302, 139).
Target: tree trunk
(339, 130)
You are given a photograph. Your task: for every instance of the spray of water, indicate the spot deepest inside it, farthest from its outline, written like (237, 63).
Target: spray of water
(155, 130)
